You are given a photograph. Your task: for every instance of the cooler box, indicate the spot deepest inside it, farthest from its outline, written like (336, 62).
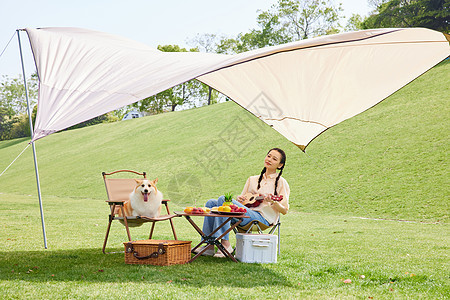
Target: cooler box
(256, 248)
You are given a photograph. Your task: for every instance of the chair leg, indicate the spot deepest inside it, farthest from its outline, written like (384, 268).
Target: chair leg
(259, 228)
(173, 229)
(112, 207)
(279, 239)
(250, 229)
(107, 234)
(277, 226)
(171, 222)
(151, 231)
(126, 222)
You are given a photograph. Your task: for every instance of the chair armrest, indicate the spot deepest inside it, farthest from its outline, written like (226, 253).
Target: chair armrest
(117, 202)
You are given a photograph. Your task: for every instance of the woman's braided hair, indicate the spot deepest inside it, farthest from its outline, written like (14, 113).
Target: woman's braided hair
(283, 161)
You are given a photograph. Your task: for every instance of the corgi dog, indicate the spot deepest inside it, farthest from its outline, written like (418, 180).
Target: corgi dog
(145, 200)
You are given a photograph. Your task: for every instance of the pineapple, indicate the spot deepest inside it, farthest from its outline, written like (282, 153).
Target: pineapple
(228, 199)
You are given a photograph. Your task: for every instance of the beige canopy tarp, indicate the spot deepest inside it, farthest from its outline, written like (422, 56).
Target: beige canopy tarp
(300, 88)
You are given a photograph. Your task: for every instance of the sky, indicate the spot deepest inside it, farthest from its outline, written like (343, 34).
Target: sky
(148, 21)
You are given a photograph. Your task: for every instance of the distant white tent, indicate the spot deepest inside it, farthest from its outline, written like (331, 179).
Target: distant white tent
(300, 88)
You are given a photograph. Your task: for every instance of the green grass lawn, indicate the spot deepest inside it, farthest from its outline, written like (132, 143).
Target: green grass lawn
(348, 194)
(402, 260)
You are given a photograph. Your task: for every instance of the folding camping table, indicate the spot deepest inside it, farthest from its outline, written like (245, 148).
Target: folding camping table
(209, 239)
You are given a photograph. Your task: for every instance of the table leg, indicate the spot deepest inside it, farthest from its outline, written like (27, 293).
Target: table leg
(221, 247)
(202, 234)
(210, 240)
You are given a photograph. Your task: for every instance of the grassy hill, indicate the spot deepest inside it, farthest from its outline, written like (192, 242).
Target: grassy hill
(389, 162)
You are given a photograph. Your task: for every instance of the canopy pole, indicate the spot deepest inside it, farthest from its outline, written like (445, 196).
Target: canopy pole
(32, 143)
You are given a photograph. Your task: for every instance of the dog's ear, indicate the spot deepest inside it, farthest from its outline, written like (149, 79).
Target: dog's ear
(155, 181)
(138, 181)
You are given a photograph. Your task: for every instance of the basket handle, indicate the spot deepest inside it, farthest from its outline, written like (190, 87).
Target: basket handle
(160, 251)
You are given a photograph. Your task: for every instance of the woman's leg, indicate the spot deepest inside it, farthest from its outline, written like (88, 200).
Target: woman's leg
(208, 223)
(211, 223)
(254, 215)
(211, 203)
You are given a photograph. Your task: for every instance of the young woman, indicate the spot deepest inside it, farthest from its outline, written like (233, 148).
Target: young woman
(268, 183)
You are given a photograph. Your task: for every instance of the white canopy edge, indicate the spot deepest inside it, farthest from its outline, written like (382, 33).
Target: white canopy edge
(330, 79)
(300, 88)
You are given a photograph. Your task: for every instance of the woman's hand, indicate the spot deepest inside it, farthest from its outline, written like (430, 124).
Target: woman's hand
(268, 198)
(240, 198)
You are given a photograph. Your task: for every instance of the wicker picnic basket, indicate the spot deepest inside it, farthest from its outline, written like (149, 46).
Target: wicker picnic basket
(157, 252)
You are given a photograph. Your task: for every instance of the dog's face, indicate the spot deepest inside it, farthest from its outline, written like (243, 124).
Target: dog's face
(146, 187)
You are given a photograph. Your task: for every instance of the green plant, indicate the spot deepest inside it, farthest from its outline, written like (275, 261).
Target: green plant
(228, 197)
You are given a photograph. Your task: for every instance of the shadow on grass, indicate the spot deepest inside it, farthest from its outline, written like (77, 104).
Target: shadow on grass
(9, 143)
(91, 265)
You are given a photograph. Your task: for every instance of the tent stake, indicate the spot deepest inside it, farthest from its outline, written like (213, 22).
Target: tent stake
(32, 143)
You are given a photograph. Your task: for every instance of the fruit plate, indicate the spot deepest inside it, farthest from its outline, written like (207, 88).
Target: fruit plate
(228, 212)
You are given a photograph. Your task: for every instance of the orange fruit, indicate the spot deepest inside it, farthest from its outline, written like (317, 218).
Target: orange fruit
(220, 208)
(188, 209)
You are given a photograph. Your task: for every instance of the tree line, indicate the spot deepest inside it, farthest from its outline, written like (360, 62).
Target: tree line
(286, 21)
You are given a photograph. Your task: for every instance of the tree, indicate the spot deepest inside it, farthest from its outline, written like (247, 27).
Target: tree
(354, 23)
(286, 21)
(432, 14)
(12, 95)
(308, 18)
(270, 33)
(6, 124)
(13, 106)
(171, 98)
(154, 104)
(205, 42)
(376, 3)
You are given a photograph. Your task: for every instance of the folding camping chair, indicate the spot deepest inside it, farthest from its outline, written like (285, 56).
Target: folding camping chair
(118, 191)
(257, 226)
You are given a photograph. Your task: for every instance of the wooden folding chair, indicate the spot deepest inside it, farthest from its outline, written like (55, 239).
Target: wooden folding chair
(118, 191)
(257, 226)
